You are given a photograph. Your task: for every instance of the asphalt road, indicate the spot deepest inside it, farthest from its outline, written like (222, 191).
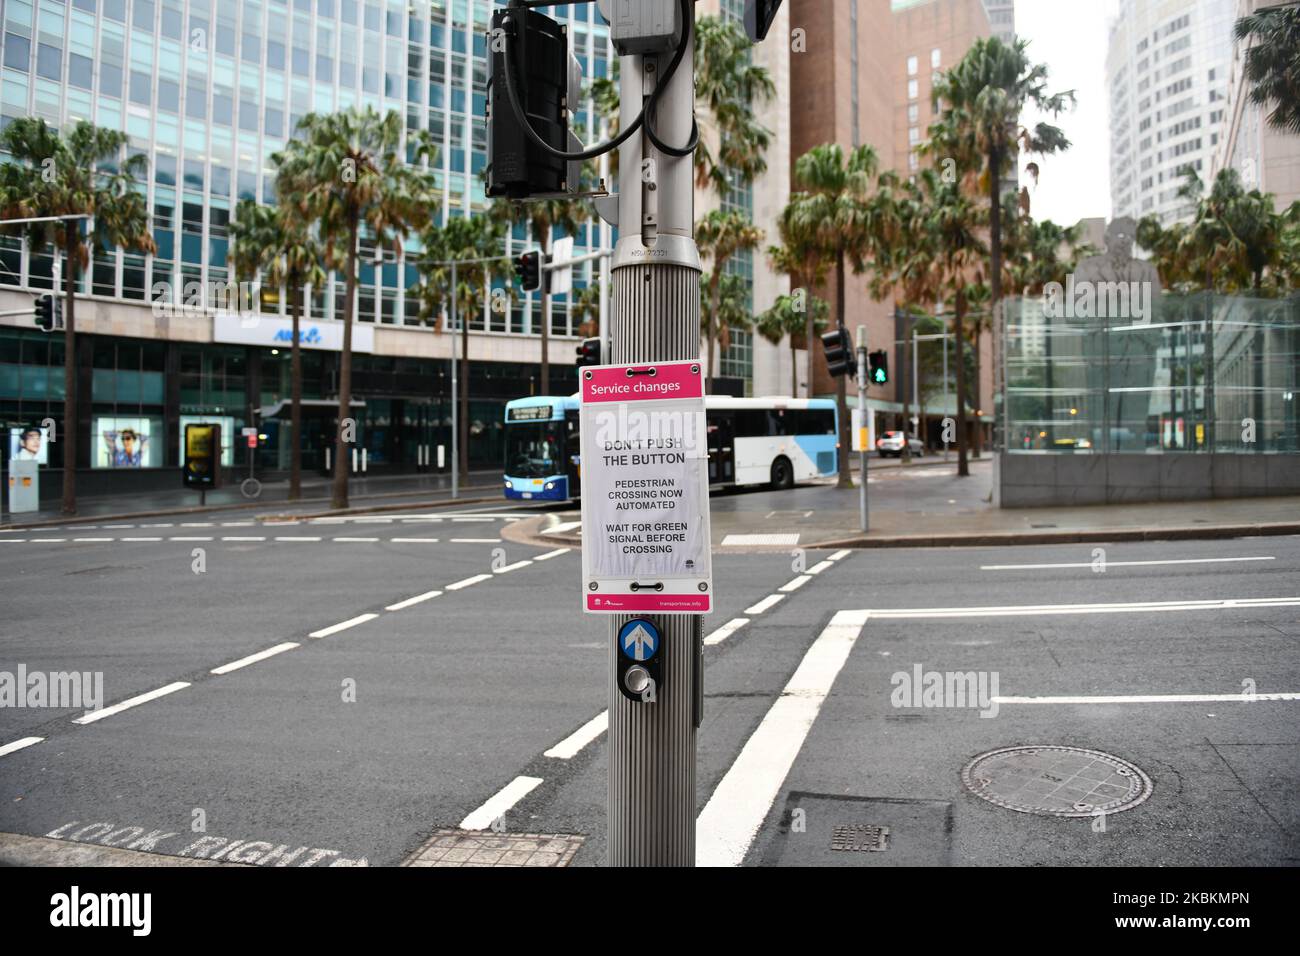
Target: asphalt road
(359, 743)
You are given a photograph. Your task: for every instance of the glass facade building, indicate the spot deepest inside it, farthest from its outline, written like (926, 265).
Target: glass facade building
(208, 90)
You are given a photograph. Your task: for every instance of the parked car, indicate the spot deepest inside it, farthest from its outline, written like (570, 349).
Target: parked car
(890, 445)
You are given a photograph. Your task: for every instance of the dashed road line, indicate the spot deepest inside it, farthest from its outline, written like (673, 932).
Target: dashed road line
(90, 540)
(343, 625)
(475, 540)
(413, 540)
(466, 582)
(1104, 563)
(355, 540)
(512, 567)
(292, 537)
(551, 554)
(724, 632)
(1133, 607)
(795, 584)
(1150, 699)
(572, 745)
(500, 803)
(242, 537)
(140, 540)
(19, 744)
(820, 566)
(93, 715)
(840, 555)
(412, 601)
(768, 602)
(254, 658)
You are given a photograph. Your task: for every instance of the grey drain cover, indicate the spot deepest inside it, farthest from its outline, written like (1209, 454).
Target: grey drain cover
(1056, 781)
(860, 836)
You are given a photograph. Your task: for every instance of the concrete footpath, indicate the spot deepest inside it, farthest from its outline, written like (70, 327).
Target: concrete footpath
(929, 506)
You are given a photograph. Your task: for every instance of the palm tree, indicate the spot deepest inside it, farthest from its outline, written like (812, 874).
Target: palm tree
(948, 258)
(831, 204)
(543, 217)
(727, 85)
(585, 303)
(789, 317)
(277, 242)
(800, 258)
(719, 236)
(1272, 62)
(980, 102)
(78, 173)
(346, 172)
(471, 242)
(726, 309)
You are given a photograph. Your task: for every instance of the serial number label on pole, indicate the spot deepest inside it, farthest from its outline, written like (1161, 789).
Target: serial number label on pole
(645, 490)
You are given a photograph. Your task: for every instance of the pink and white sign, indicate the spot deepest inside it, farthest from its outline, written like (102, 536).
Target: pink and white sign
(645, 490)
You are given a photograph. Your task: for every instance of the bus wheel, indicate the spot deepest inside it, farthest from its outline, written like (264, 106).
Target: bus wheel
(782, 474)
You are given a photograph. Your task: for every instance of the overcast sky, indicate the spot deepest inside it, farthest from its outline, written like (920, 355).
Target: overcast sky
(1070, 37)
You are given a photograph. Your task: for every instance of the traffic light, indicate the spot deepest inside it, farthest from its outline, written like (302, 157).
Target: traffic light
(544, 80)
(49, 313)
(588, 353)
(528, 266)
(879, 367)
(839, 352)
(759, 15)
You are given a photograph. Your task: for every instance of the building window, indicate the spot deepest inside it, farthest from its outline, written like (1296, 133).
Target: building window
(912, 89)
(934, 58)
(911, 66)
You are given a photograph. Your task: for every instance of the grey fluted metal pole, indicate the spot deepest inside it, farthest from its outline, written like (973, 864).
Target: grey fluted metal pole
(655, 317)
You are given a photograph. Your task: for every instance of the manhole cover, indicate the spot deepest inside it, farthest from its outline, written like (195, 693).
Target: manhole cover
(860, 836)
(485, 848)
(1056, 781)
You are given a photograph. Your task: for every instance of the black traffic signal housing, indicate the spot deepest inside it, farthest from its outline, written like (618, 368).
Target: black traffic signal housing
(546, 81)
(879, 367)
(528, 266)
(839, 352)
(49, 313)
(588, 353)
(759, 15)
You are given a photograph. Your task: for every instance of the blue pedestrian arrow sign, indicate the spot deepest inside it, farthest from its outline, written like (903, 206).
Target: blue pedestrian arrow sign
(638, 639)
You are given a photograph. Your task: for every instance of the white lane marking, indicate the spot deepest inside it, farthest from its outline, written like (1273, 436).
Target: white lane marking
(571, 745)
(48, 540)
(737, 808)
(513, 567)
(242, 537)
(19, 745)
(770, 601)
(795, 584)
(551, 554)
(14, 540)
(1117, 564)
(421, 520)
(343, 625)
(90, 716)
(415, 540)
(743, 540)
(254, 658)
(166, 524)
(1015, 610)
(820, 566)
(500, 803)
(475, 540)
(141, 539)
(192, 524)
(90, 540)
(466, 582)
(562, 527)
(1149, 699)
(356, 540)
(840, 555)
(472, 519)
(189, 539)
(105, 527)
(409, 602)
(292, 537)
(724, 632)
(236, 524)
(371, 520)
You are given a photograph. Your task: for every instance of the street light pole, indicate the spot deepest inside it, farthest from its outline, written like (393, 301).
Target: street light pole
(455, 397)
(655, 317)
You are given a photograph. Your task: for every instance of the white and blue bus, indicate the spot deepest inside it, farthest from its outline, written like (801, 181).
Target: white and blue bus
(752, 441)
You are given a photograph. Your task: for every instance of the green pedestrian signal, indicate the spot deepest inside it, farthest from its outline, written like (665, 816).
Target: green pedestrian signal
(879, 367)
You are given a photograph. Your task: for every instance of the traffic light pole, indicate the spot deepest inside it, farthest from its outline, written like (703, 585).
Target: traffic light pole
(655, 318)
(864, 430)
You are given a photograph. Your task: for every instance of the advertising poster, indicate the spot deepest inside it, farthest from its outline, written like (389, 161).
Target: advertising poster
(228, 432)
(126, 441)
(29, 443)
